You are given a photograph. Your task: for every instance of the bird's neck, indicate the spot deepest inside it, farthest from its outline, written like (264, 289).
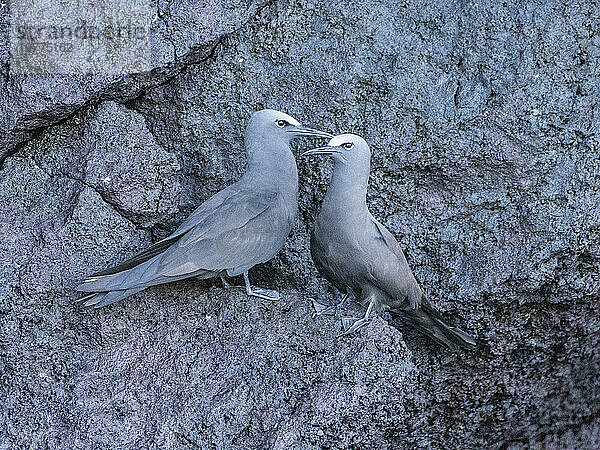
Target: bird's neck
(271, 164)
(347, 191)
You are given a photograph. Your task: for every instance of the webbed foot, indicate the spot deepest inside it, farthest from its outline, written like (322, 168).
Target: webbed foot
(267, 294)
(322, 309)
(259, 292)
(352, 324)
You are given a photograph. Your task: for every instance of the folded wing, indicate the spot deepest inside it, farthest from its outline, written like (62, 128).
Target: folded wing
(223, 233)
(389, 269)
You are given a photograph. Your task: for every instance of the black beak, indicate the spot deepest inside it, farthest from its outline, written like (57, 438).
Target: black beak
(327, 150)
(300, 130)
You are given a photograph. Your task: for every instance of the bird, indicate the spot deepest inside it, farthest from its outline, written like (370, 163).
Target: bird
(243, 225)
(361, 258)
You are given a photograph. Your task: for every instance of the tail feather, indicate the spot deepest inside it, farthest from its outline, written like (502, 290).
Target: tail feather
(428, 321)
(85, 297)
(131, 276)
(146, 255)
(93, 299)
(142, 274)
(141, 270)
(100, 299)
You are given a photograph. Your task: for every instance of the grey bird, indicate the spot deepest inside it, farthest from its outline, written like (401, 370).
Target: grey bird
(241, 226)
(360, 257)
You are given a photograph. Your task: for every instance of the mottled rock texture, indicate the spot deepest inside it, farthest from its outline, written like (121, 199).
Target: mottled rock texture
(484, 123)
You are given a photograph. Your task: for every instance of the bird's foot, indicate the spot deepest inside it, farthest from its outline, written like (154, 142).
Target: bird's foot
(331, 309)
(267, 294)
(323, 309)
(352, 324)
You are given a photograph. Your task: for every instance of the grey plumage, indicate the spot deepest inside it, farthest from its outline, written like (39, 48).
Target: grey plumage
(243, 225)
(359, 256)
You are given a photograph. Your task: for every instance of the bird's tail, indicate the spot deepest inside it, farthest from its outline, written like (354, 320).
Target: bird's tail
(99, 296)
(427, 320)
(100, 299)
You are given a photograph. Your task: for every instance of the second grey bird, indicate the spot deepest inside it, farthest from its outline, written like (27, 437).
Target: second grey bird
(359, 256)
(243, 225)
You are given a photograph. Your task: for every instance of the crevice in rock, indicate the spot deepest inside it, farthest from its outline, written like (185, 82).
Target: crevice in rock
(157, 77)
(122, 213)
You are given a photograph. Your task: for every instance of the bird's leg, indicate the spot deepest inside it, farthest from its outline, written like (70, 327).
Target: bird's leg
(226, 285)
(351, 324)
(331, 309)
(267, 294)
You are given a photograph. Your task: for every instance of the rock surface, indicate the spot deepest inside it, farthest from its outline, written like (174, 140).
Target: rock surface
(484, 123)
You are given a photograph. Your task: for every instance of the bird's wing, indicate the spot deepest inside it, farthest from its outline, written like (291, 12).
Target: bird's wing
(236, 233)
(388, 268)
(240, 233)
(228, 196)
(149, 253)
(161, 246)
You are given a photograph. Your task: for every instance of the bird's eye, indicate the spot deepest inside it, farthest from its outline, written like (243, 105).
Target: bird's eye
(280, 123)
(348, 145)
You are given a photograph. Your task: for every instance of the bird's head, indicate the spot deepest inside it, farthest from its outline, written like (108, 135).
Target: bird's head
(346, 148)
(276, 125)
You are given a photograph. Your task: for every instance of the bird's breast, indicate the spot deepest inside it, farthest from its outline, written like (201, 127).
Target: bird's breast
(338, 250)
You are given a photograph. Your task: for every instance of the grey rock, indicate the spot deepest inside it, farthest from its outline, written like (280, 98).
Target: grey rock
(484, 125)
(176, 37)
(110, 149)
(272, 381)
